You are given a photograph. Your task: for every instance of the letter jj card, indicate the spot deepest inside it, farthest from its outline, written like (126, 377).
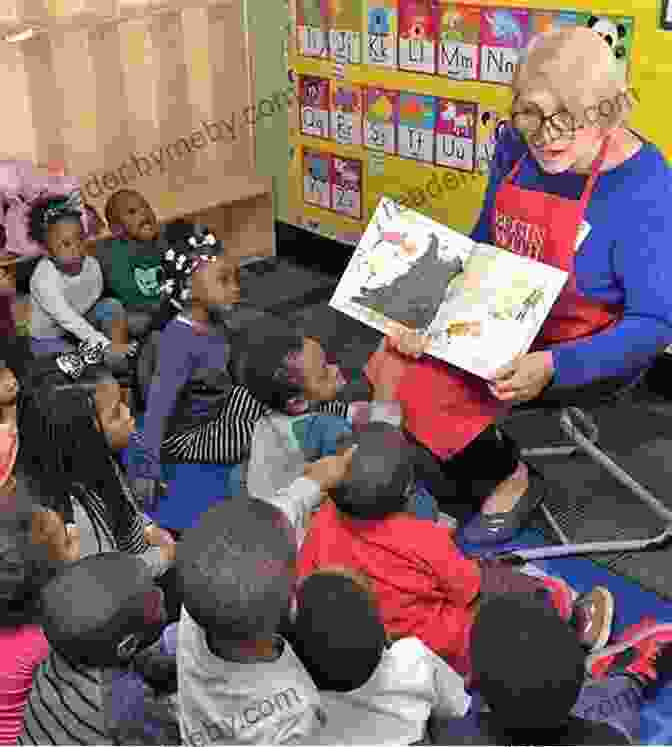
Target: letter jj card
(313, 28)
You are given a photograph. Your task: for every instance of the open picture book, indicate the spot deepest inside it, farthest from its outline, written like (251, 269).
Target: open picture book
(480, 306)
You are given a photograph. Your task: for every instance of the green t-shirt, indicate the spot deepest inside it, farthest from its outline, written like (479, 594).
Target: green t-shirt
(133, 273)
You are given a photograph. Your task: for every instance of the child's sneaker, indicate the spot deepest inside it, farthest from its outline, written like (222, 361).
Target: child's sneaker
(643, 651)
(592, 616)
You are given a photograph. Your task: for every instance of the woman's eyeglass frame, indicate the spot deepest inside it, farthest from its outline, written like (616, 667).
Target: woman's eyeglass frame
(560, 130)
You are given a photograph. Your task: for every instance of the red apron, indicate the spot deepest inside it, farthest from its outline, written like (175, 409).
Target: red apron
(446, 408)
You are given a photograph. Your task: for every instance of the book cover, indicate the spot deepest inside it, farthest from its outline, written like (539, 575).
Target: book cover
(381, 119)
(316, 173)
(456, 134)
(312, 24)
(417, 38)
(314, 106)
(346, 112)
(504, 33)
(345, 33)
(417, 123)
(346, 186)
(382, 33)
(458, 30)
(480, 306)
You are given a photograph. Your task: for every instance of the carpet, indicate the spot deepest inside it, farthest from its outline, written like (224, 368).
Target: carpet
(588, 503)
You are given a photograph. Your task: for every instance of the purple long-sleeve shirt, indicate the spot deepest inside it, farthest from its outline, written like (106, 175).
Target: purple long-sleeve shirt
(189, 386)
(625, 258)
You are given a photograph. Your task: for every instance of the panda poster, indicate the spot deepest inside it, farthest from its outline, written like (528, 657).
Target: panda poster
(382, 33)
(380, 120)
(345, 33)
(479, 305)
(458, 32)
(312, 24)
(456, 134)
(417, 38)
(617, 32)
(504, 33)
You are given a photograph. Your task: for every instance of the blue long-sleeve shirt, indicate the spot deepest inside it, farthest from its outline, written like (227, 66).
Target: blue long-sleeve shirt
(625, 259)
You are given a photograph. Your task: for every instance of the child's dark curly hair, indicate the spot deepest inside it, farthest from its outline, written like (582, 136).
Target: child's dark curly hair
(47, 211)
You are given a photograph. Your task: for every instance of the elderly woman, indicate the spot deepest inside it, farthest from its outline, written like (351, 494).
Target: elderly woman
(570, 185)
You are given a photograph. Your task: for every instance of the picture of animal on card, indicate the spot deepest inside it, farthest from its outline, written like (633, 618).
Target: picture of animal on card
(414, 296)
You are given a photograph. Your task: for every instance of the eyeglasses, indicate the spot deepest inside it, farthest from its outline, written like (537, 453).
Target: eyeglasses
(531, 121)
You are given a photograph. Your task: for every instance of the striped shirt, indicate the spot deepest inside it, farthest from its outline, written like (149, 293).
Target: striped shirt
(76, 705)
(97, 536)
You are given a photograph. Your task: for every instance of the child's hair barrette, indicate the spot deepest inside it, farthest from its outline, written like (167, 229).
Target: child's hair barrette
(73, 204)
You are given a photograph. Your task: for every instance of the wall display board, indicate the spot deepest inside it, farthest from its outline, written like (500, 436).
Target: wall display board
(406, 98)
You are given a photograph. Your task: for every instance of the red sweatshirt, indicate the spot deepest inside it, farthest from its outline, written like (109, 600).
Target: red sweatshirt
(424, 585)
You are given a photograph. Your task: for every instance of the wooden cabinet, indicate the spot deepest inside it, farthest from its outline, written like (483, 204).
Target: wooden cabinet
(141, 95)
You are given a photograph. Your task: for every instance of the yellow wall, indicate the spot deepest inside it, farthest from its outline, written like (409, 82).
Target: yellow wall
(650, 77)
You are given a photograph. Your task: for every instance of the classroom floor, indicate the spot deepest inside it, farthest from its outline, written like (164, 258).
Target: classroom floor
(589, 503)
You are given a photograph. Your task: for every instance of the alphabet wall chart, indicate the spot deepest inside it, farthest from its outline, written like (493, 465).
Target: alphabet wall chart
(395, 96)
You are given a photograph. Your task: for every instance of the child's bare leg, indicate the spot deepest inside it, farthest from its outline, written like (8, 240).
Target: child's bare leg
(119, 331)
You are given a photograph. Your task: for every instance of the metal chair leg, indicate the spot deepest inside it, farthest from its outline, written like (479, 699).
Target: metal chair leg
(586, 444)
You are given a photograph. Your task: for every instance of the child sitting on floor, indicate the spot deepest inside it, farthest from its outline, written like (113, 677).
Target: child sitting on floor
(34, 543)
(530, 673)
(101, 615)
(132, 261)
(424, 585)
(373, 691)
(288, 373)
(66, 288)
(239, 681)
(194, 412)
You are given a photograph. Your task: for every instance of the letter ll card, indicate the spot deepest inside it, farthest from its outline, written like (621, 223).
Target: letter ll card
(313, 28)
(458, 30)
(316, 189)
(382, 30)
(346, 113)
(504, 32)
(417, 119)
(417, 40)
(345, 39)
(380, 121)
(456, 134)
(346, 186)
(314, 106)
